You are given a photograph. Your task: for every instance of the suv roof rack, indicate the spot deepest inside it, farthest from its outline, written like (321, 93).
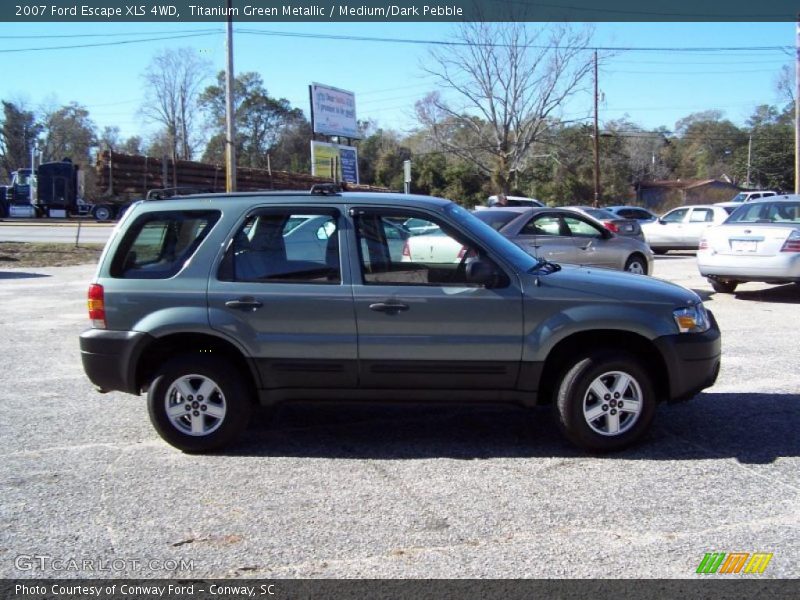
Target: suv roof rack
(327, 189)
(173, 192)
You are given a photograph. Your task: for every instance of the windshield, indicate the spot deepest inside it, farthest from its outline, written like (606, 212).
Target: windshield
(497, 242)
(739, 197)
(496, 219)
(767, 212)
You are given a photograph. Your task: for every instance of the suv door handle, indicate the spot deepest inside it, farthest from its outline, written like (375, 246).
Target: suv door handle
(389, 307)
(247, 303)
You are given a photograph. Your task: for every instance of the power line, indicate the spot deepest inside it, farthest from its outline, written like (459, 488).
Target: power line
(117, 43)
(588, 48)
(88, 35)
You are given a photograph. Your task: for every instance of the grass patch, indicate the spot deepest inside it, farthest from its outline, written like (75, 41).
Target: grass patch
(31, 254)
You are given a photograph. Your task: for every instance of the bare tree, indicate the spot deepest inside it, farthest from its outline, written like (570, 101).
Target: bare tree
(508, 80)
(173, 82)
(785, 85)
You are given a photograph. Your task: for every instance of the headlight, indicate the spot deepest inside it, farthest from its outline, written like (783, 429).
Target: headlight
(692, 320)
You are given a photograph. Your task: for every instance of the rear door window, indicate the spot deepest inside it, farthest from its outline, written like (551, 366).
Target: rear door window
(285, 246)
(158, 244)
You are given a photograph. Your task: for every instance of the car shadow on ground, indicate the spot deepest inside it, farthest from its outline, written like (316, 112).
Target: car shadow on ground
(787, 294)
(20, 275)
(752, 428)
(676, 254)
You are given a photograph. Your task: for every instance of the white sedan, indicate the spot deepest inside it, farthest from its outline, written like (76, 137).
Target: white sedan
(682, 227)
(760, 241)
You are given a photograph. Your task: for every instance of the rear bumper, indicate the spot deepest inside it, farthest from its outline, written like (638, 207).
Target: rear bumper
(110, 357)
(783, 266)
(692, 359)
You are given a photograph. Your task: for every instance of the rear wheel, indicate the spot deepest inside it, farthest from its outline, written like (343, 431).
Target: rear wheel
(723, 287)
(198, 404)
(636, 264)
(605, 401)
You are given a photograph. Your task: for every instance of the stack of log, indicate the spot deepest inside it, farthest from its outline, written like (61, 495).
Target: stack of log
(127, 175)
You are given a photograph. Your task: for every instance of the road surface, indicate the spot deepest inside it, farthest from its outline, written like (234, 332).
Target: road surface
(90, 233)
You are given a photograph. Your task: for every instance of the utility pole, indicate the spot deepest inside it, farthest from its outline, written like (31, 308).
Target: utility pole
(749, 156)
(596, 140)
(230, 130)
(797, 109)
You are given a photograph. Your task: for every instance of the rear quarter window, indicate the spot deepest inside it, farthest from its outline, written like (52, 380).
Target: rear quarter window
(158, 244)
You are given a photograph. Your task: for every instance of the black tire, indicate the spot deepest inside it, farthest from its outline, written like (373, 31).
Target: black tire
(230, 397)
(660, 251)
(573, 397)
(723, 287)
(103, 213)
(636, 263)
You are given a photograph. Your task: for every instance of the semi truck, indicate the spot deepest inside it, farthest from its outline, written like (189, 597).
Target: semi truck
(51, 190)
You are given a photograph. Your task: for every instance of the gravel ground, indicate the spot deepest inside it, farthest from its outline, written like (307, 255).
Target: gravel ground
(370, 491)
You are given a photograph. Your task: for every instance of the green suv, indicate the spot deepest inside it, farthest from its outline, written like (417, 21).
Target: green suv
(211, 303)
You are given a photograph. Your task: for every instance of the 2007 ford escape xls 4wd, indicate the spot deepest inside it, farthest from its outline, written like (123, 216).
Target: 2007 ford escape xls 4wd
(211, 303)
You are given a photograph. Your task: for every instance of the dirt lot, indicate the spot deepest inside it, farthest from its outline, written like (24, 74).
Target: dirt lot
(382, 490)
(31, 255)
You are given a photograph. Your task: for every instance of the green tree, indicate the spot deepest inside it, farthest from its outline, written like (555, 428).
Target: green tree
(69, 133)
(18, 133)
(260, 119)
(707, 146)
(772, 150)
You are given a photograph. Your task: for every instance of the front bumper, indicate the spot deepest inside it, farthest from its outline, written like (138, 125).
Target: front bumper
(692, 359)
(110, 357)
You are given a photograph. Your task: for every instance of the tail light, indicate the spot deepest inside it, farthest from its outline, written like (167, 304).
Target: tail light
(792, 243)
(611, 226)
(703, 245)
(406, 250)
(97, 306)
(466, 253)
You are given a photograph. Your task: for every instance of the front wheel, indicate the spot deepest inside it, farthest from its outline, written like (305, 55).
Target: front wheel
(605, 401)
(102, 213)
(197, 404)
(636, 264)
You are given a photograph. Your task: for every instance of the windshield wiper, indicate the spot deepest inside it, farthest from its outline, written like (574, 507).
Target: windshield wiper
(544, 266)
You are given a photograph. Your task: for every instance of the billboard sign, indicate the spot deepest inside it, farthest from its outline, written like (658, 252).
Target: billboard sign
(333, 111)
(323, 155)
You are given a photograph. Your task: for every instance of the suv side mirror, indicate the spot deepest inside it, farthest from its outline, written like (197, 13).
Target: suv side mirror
(485, 273)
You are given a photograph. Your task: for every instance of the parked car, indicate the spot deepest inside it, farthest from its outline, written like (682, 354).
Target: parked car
(760, 241)
(199, 303)
(633, 212)
(682, 227)
(752, 195)
(435, 247)
(569, 236)
(619, 225)
(515, 201)
(742, 197)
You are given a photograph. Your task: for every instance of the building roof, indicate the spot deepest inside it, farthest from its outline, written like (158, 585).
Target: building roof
(682, 184)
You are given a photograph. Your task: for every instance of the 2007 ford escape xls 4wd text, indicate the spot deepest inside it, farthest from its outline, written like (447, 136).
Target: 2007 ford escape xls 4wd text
(211, 303)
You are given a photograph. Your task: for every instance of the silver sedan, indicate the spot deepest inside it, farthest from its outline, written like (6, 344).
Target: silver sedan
(760, 241)
(569, 236)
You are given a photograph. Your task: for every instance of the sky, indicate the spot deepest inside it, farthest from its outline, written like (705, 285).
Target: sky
(651, 88)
